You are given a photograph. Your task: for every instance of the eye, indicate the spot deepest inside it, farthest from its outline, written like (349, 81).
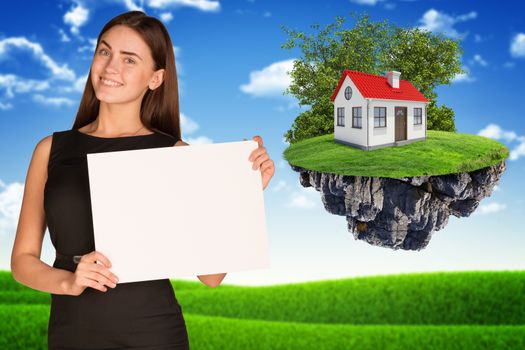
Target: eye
(129, 60)
(102, 51)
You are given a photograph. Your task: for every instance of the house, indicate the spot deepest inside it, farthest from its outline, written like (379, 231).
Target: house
(372, 111)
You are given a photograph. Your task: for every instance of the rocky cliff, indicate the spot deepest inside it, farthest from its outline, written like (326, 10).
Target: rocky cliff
(401, 213)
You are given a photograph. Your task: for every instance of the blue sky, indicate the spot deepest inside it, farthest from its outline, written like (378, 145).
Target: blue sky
(232, 72)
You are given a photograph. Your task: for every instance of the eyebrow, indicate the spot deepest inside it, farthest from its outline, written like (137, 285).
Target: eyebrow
(123, 52)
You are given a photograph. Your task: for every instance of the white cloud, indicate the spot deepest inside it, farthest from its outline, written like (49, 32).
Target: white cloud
(188, 126)
(57, 72)
(63, 36)
(91, 47)
(517, 45)
(5, 106)
(278, 186)
(463, 77)
(519, 150)
(131, 6)
(490, 208)
(166, 17)
(267, 14)
(509, 65)
(366, 2)
(203, 5)
(178, 64)
(302, 199)
(390, 6)
(270, 81)
(77, 86)
(291, 105)
(53, 101)
(494, 131)
(76, 17)
(14, 84)
(10, 203)
(176, 50)
(201, 140)
(479, 60)
(440, 22)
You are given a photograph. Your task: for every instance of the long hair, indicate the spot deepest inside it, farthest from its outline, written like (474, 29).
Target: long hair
(160, 107)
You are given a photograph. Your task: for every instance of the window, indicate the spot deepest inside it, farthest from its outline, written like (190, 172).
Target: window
(340, 116)
(418, 116)
(348, 92)
(356, 117)
(379, 117)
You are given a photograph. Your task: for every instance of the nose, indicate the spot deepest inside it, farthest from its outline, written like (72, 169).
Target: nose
(112, 65)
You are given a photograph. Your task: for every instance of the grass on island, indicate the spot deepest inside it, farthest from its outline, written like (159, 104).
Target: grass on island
(439, 310)
(440, 154)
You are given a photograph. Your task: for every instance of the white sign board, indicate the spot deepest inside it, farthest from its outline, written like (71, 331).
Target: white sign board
(178, 211)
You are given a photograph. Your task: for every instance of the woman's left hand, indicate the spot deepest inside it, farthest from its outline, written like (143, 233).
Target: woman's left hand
(261, 160)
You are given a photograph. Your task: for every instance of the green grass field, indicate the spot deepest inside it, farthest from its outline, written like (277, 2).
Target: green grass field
(441, 153)
(448, 310)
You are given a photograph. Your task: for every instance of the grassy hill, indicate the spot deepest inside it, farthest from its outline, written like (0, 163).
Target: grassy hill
(451, 310)
(441, 153)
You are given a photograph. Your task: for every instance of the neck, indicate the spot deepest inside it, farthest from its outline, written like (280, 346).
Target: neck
(116, 119)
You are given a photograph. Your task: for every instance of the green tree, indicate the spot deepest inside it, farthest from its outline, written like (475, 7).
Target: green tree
(427, 60)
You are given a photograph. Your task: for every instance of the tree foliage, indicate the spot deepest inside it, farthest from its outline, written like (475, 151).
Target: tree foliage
(425, 59)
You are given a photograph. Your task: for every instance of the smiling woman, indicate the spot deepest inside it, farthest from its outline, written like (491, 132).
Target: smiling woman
(130, 102)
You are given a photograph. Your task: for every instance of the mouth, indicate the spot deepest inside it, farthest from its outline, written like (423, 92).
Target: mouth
(109, 82)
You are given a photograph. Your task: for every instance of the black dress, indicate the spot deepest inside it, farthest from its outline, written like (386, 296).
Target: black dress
(143, 315)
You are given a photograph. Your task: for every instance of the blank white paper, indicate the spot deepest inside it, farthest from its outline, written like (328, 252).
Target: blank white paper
(178, 211)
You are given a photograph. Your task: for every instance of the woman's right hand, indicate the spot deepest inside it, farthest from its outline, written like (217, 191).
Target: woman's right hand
(91, 274)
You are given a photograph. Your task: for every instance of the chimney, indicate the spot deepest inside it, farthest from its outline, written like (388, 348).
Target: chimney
(393, 78)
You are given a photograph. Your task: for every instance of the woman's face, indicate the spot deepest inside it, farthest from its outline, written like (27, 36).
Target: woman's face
(123, 68)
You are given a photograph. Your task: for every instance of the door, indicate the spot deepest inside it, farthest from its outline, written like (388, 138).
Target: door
(401, 123)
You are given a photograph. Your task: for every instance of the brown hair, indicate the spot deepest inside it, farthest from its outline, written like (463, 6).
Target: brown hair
(160, 107)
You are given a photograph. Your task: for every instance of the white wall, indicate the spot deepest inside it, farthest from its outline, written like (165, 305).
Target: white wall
(376, 136)
(347, 133)
(379, 136)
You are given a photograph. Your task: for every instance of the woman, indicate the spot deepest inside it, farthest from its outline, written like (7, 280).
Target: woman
(130, 101)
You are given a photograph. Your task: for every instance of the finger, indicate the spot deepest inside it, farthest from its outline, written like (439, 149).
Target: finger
(268, 165)
(259, 140)
(100, 278)
(260, 160)
(94, 284)
(102, 258)
(103, 271)
(256, 152)
(89, 258)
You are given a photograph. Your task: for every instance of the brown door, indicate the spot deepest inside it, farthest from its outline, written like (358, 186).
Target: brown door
(401, 123)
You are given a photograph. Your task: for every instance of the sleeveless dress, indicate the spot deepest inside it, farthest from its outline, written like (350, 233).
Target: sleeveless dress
(142, 315)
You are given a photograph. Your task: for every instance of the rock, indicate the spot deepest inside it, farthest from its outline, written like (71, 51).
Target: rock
(401, 213)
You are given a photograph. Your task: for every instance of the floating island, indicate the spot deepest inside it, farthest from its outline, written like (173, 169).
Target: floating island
(396, 197)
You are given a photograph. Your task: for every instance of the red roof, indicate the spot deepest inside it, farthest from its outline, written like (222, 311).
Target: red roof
(375, 86)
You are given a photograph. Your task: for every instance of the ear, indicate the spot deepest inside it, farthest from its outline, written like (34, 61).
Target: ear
(157, 79)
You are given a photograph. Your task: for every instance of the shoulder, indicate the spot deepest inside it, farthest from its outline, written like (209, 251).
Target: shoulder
(40, 159)
(43, 147)
(181, 143)
(46, 146)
